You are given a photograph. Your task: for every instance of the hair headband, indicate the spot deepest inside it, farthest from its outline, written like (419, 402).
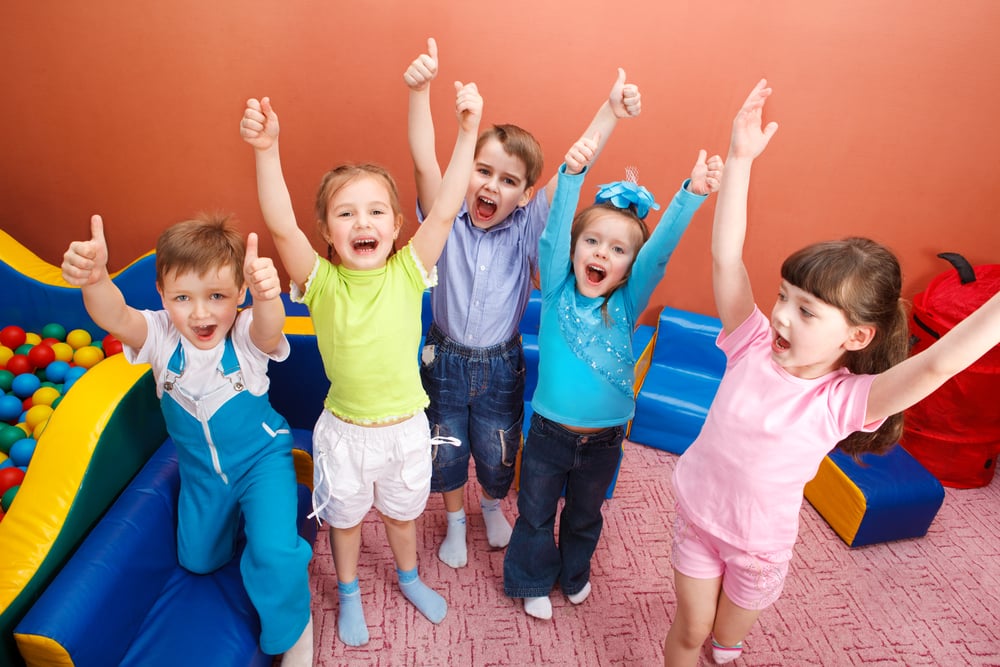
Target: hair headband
(628, 193)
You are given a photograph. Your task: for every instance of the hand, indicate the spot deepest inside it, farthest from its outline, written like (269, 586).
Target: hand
(706, 177)
(468, 106)
(259, 125)
(86, 262)
(260, 274)
(582, 153)
(624, 97)
(424, 69)
(748, 139)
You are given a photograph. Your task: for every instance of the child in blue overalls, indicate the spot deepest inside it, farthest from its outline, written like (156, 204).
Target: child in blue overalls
(233, 450)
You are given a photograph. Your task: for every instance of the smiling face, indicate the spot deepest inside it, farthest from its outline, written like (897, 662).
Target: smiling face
(809, 336)
(202, 307)
(499, 184)
(361, 223)
(605, 244)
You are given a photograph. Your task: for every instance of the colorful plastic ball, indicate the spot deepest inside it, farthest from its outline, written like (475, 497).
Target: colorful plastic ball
(8, 497)
(25, 384)
(88, 356)
(22, 451)
(56, 371)
(36, 415)
(10, 407)
(39, 429)
(19, 364)
(8, 436)
(55, 403)
(111, 345)
(54, 330)
(64, 352)
(31, 338)
(5, 354)
(6, 379)
(12, 336)
(24, 349)
(78, 338)
(74, 374)
(41, 356)
(10, 476)
(44, 395)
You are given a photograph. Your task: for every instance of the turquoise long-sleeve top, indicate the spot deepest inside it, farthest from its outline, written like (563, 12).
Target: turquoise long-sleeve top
(586, 369)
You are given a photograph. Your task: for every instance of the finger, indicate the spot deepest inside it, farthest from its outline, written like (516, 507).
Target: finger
(621, 77)
(432, 48)
(97, 229)
(253, 103)
(769, 130)
(702, 156)
(265, 106)
(251, 252)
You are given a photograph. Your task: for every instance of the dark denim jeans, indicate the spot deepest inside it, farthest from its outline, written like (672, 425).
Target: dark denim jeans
(555, 458)
(477, 396)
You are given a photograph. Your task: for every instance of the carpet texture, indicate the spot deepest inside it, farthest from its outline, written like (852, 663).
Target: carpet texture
(934, 600)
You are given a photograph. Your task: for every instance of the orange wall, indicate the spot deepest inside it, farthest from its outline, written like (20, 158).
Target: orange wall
(887, 111)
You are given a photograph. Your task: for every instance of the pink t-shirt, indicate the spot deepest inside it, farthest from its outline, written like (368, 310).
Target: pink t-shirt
(765, 435)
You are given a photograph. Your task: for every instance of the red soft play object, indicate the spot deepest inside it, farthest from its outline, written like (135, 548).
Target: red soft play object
(955, 432)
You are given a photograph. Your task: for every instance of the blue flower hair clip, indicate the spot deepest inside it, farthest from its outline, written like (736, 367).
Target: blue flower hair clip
(628, 193)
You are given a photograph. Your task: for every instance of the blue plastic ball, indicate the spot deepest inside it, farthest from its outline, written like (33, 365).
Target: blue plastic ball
(22, 451)
(10, 407)
(25, 384)
(56, 371)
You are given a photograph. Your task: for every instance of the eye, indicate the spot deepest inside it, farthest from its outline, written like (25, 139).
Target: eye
(619, 250)
(589, 240)
(378, 211)
(217, 296)
(806, 313)
(781, 296)
(344, 214)
(509, 181)
(483, 170)
(182, 297)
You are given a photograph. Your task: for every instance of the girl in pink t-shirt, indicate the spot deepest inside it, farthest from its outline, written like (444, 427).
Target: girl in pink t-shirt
(829, 368)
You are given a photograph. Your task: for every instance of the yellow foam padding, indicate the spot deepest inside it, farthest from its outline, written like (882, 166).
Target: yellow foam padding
(39, 651)
(31, 265)
(299, 325)
(303, 467)
(643, 362)
(838, 499)
(61, 459)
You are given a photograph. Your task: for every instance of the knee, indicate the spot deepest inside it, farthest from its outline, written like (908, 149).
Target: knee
(691, 634)
(395, 523)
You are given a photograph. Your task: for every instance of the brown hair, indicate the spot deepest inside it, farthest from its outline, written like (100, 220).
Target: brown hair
(862, 278)
(588, 215)
(202, 243)
(338, 177)
(516, 143)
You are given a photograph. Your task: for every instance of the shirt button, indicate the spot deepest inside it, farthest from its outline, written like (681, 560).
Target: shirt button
(482, 268)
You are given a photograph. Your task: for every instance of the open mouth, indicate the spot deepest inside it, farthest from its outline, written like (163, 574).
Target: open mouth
(364, 245)
(780, 343)
(485, 208)
(204, 332)
(595, 274)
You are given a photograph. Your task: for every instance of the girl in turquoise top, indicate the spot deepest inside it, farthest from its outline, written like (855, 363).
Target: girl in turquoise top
(598, 271)
(372, 444)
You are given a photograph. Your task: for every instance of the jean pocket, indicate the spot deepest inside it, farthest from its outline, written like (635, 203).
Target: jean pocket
(511, 440)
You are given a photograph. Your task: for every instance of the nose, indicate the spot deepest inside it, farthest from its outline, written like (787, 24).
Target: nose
(200, 309)
(780, 315)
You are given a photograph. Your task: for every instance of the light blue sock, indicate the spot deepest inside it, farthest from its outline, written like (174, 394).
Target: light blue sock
(427, 602)
(351, 626)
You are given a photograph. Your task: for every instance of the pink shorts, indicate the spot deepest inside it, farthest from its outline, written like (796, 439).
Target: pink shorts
(751, 580)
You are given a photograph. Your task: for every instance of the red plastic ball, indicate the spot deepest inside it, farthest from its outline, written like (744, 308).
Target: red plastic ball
(111, 345)
(10, 476)
(41, 356)
(12, 336)
(19, 364)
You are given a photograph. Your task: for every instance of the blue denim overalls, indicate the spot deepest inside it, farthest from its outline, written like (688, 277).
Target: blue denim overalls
(235, 453)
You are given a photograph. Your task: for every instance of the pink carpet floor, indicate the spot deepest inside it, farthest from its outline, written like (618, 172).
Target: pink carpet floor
(934, 600)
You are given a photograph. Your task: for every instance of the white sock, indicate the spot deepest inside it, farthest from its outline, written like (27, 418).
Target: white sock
(538, 607)
(301, 653)
(498, 529)
(723, 654)
(453, 551)
(579, 597)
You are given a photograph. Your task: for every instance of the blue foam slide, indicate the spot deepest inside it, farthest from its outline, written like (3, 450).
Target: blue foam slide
(684, 373)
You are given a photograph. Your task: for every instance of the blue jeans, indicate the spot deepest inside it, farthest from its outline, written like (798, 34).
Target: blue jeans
(555, 458)
(477, 396)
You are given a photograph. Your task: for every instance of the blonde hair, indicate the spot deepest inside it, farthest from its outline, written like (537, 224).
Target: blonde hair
(200, 244)
(338, 177)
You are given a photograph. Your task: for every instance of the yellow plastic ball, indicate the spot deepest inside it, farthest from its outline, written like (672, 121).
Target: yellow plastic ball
(88, 356)
(31, 338)
(78, 338)
(44, 396)
(24, 427)
(37, 433)
(64, 352)
(37, 414)
(3, 457)
(5, 354)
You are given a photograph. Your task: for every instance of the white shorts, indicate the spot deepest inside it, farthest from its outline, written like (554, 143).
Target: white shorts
(356, 467)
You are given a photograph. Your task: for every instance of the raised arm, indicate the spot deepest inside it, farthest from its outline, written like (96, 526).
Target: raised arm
(420, 126)
(430, 237)
(915, 378)
(85, 265)
(259, 128)
(261, 278)
(624, 101)
(733, 294)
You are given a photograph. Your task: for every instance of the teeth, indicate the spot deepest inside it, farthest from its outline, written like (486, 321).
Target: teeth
(487, 200)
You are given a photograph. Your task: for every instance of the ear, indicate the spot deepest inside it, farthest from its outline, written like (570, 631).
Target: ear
(399, 226)
(861, 335)
(241, 301)
(159, 290)
(526, 197)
